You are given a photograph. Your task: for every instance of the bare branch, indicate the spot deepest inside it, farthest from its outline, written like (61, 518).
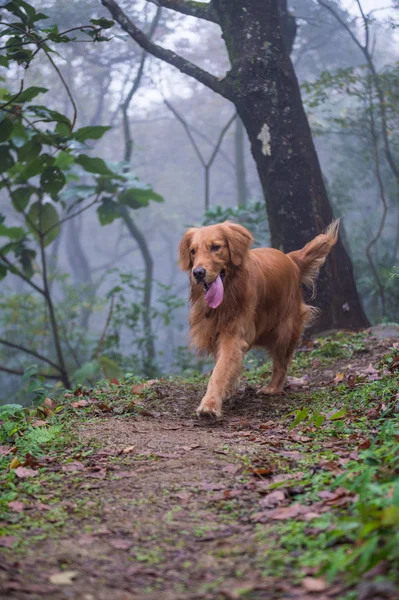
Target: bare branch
(19, 273)
(201, 10)
(20, 372)
(188, 131)
(184, 66)
(31, 352)
(375, 77)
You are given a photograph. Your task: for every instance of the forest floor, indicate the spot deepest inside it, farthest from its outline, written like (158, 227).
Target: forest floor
(121, 492)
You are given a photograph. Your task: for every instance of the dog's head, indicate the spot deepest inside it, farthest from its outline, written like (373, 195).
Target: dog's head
(211, 253)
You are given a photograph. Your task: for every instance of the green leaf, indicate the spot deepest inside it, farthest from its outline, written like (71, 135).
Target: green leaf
(64, 160)
(301, 415)
(13, 233)
(52, 180)
(103, 23)
(30, 93)
(6, 159)
(37, 166)
(62, 129)
(94, 165)
(3, 272)
(90, 133)
(138, 197)
(6, 128)
(30, 150)
(108, 211)
(20, 197)
(43, 218)
(338, 415)
(3, 62)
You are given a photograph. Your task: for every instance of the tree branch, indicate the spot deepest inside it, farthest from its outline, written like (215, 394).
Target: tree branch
(31, 352)
(19, 372)
(184, 66)
(201, 10)
(19, 274)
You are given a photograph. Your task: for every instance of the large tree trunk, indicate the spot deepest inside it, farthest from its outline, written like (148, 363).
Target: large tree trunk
(268, 100)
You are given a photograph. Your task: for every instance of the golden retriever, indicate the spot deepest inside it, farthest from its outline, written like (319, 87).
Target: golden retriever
(241, 298)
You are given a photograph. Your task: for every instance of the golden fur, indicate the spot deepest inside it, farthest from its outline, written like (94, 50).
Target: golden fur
(262, 305)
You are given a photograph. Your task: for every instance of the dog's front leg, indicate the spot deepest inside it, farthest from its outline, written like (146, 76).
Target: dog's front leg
(224, 377)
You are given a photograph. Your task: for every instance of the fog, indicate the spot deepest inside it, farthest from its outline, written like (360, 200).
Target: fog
(191, 147)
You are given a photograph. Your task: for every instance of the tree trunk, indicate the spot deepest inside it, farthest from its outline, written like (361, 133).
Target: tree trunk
(241, 176)
(267, 97)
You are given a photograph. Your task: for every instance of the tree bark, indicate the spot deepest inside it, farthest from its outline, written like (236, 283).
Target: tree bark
(264, 89)
(241, 176)
(268, 100)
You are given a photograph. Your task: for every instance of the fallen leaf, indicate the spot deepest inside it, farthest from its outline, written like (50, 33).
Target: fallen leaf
(16, 506)
(267, 425)
(139, 388)
(127, 450)
(49, 406)
(114, 381)
(73, 466)
(273, 499)
(23, 472)
(262, 471)
(63, 578)
(288, 512)
(39, 423)
(364, 445)
(104, 407)
(188, 448)
(8, 541)
(41, 506)
(15, 463)
(121, 543)
(351, 380)
(4, 450)
(339, 377)
(296, 382)
(79, 404)
(313, 584)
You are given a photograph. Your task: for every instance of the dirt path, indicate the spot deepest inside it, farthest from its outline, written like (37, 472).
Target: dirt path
(167, 506)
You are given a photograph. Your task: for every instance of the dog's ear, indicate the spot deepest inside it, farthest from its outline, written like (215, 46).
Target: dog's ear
(239, 240)
(184, 250)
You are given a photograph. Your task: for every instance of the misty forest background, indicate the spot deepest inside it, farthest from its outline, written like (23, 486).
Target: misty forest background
(91, 285)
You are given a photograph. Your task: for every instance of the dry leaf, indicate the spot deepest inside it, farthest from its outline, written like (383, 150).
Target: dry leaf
(128, 450)
(313, 584)
(23, 472)
(121, 543)
(339, 377)
(115, 381)
(5, 450)
(49, 406)
(63, 578)
(16, 506)
(8, 541)
(79, 403)
(39, 423)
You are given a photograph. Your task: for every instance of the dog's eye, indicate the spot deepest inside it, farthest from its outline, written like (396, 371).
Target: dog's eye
(215, 247)
(192, 251)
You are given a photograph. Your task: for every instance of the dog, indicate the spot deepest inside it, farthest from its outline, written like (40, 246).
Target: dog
(243, 298)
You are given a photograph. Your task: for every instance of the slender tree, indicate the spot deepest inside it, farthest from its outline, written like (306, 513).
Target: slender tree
(264, 89)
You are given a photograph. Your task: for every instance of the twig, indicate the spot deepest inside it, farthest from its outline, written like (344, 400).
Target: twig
(107, 323)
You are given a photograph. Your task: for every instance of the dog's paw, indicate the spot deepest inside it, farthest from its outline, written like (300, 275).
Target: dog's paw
(268, 390)
(209, 408)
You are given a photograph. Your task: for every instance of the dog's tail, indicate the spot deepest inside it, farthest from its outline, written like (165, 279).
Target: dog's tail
(310, 258)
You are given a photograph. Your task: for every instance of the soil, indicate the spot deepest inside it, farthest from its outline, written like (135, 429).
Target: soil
(167, 505)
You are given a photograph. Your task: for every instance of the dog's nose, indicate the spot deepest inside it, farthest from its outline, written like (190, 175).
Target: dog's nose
(199, 274)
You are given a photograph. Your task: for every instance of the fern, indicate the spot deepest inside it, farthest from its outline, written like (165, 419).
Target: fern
(40, 436)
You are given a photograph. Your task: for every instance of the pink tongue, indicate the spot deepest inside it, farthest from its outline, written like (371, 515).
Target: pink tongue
(214, 295)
